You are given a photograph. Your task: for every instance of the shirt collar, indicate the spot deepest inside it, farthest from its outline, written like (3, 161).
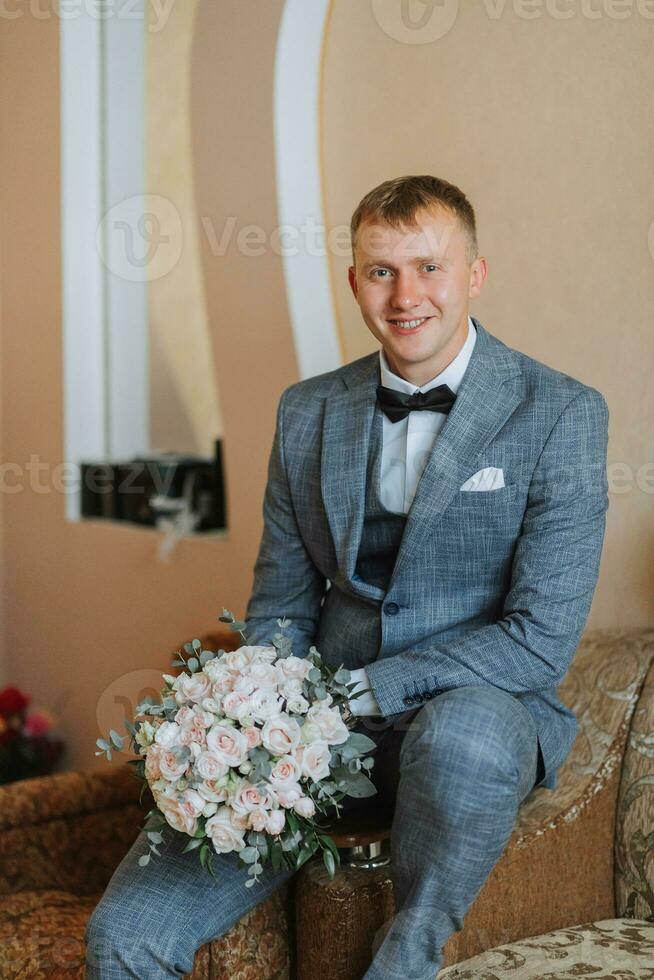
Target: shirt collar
(452, 375)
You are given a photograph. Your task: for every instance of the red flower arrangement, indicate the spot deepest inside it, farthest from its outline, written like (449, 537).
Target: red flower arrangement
(28, 745)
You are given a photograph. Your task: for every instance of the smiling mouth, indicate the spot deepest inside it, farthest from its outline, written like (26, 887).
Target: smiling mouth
(408, 325)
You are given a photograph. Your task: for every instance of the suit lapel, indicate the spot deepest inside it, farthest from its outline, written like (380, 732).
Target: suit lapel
(347, 428)
(484, 403)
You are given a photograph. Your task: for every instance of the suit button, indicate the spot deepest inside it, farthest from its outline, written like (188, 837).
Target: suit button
(391, 609)
(409, 699)
(426, 695)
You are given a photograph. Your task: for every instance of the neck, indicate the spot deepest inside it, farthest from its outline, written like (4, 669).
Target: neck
(421, 373)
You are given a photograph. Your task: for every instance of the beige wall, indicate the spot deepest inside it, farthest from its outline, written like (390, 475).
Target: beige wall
(545, 124)
(87, 603)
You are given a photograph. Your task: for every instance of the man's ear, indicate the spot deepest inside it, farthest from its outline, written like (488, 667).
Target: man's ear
(352, 279)
(478, 273)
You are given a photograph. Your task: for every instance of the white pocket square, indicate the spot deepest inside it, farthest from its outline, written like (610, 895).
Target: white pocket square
(490, 478)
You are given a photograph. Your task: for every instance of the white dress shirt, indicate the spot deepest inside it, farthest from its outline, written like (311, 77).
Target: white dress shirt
(406, 446)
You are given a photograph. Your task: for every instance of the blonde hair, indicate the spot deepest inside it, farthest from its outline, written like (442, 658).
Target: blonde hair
(396, 203)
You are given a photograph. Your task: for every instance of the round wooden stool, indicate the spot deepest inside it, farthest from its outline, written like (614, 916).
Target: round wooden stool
(337, 920)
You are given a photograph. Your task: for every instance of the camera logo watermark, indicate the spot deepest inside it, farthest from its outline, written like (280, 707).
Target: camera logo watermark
(426, 21)
(141, 239)
(415, 21)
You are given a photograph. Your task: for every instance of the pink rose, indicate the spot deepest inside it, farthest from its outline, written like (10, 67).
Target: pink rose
(247, 798)
(177, 814)
(170, 767)
(285, 772)
(253, 735)
(228, 743)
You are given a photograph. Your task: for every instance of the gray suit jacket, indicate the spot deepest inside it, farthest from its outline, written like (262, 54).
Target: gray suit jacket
(489, 587)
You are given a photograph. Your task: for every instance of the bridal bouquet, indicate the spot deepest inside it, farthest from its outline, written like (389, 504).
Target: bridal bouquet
(246, 750)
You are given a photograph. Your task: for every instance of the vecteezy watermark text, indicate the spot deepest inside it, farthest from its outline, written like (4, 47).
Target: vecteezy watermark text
(155, 12)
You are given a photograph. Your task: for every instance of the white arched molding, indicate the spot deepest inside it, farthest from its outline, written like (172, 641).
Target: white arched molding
(299, 199)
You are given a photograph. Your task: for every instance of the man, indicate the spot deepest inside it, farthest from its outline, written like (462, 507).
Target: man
(459, 536)
(433, 519)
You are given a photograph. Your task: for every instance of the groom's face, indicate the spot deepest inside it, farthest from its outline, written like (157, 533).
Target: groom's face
(424, 275)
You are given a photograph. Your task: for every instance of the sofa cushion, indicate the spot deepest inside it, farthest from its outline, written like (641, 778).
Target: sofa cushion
(42, 934)
(613, 948)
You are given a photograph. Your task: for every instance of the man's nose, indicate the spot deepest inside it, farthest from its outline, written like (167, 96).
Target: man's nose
(405, 294)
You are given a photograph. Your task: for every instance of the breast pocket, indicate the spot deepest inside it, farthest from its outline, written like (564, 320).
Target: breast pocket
(476, 515)
(488, 498)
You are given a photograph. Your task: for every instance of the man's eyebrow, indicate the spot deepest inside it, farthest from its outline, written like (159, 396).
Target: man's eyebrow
(416, 260)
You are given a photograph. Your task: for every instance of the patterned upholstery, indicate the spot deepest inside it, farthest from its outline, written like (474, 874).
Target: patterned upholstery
(608, 950)
(634, 843)
(61, 837)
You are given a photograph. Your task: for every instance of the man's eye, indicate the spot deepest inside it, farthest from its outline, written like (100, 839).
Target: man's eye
(430, 265)
(379, 270)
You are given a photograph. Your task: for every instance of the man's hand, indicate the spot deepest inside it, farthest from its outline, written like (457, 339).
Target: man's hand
(366, 704)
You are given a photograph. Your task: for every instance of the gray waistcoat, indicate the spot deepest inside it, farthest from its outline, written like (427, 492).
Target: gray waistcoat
(382, 529)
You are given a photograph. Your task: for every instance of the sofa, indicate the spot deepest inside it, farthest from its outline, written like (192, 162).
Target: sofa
(572, 896)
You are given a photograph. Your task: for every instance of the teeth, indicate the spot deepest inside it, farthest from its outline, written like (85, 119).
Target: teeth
(409, 324)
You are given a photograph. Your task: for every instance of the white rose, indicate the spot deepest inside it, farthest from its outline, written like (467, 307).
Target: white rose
(223, 834)
(295, 668)
(184, 716)
(235, 703)
(192, 687)
(221, 686)
(264, 705)
(289, 795)
(192, 802)
(214, 790)
(314, 760)
(305, 807)
(209, 765)
(211, 704)
(297, 704)
(244, 684)
(262, 674)
(275, 821)
(237, 660)
(310, 732)
(281, 735)
(329, 721)
(167, 734)
(228, 743)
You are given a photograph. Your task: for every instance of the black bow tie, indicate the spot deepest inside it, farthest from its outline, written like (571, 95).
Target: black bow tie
(396, 405)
